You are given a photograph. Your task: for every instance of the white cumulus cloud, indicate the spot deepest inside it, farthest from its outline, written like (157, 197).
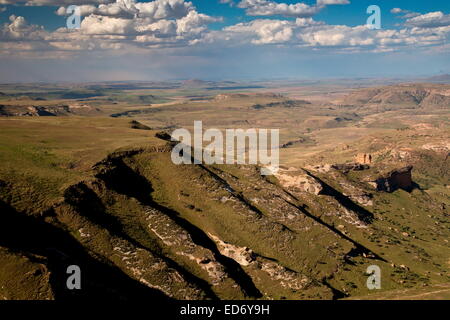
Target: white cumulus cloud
(54, 2)
(329, 2)
(429, 20)
(176, 24)
(269, 8)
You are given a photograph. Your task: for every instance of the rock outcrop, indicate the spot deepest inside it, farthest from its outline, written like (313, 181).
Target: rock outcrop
(363, 158)
(402, 96)
(242, 255)
(295, 179)
(40, 111)
(443, 146)
(396, 179)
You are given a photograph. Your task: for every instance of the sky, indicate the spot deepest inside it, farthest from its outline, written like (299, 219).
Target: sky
(120, 40)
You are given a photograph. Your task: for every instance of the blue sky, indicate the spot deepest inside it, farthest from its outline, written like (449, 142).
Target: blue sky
(352, 14)
(250, 39)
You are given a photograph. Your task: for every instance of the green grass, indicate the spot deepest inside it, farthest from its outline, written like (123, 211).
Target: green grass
(41, 156)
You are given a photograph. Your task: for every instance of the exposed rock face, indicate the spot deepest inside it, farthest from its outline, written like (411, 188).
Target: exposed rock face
(276, 272)
(436, 100)
(138, 263)
(437, 147)
(401, 154)
(363, 158)
(299, 180)
(396, 179)
(174, 236)
(39, 111)
(401, 96)
(287, 278)
(356, 194)
(242, 255)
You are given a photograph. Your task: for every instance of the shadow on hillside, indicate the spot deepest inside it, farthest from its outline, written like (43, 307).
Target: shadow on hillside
(89, 205)
(362, 213)
(100, 281)
(124, 180)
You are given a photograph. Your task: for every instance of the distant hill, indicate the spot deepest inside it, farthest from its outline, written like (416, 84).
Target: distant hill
(39, 111)
(194, 83)
(443, 78)
(218, 85)
(405, 96)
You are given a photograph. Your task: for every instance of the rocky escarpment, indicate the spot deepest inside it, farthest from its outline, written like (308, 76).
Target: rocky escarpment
(41, 111)
(403, 96)
(395, 179)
